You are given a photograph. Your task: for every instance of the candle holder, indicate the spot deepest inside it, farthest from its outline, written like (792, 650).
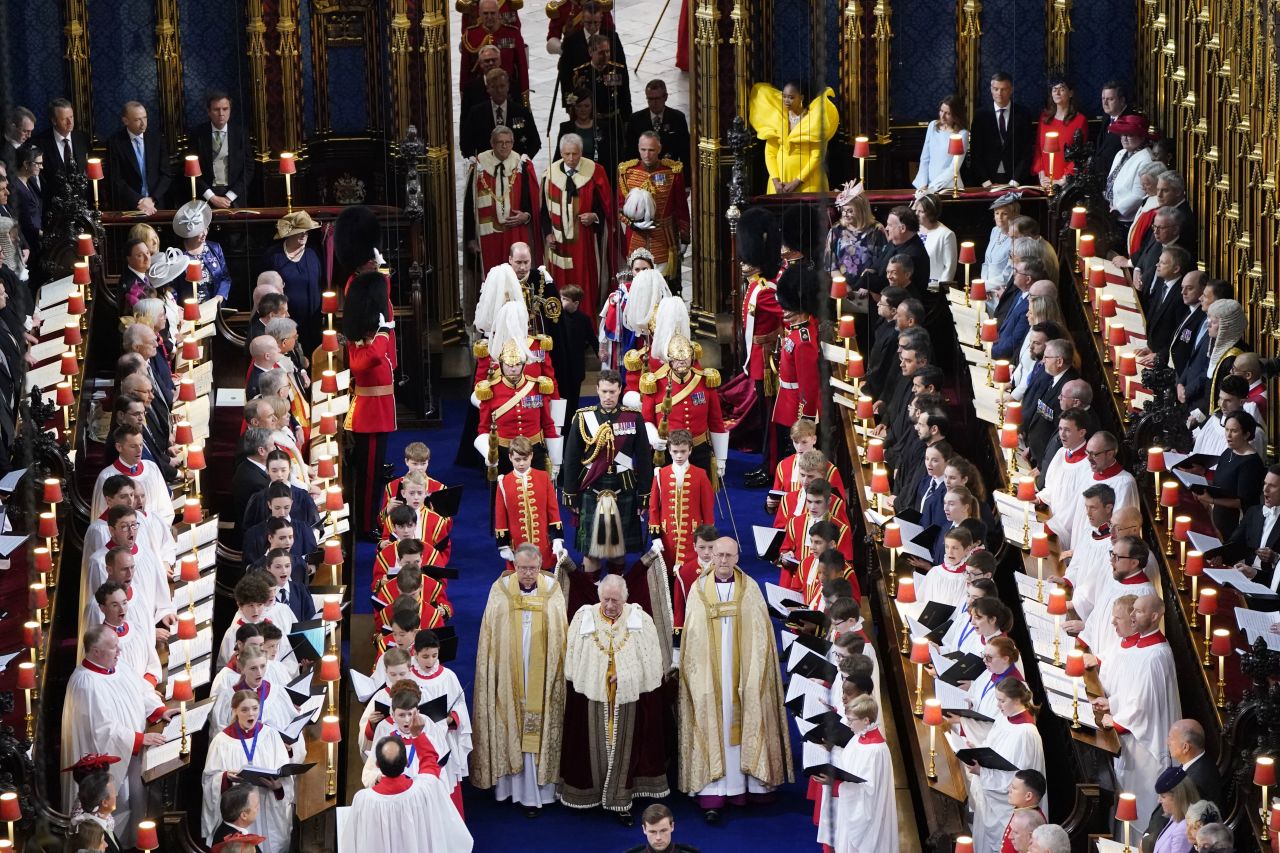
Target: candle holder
(1057, 608)
(1264, 776)
(147, 839)
(1127, 812)
(1181, 527)
(1193, 568)
(1027, 496)
(1220, 648)
(968, 257)
(933, 719)
(1075, 671)
(10, 812)
(182, 693)
(288, 167)
(955, 147)
(1040, 550)
(93, 171)
(1169, 498)
(1052, 145)
(27, 683)
(1155, 464)
(920, 657)
(862, 150)
(330, 735)
(191, 168)
(906, 595)
(892, 541)
(1207, 607)
(187, 633)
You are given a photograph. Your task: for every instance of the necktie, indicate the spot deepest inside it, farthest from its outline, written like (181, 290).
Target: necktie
(657, 122)
(928, 493)
(67, 157)
(217, 142)
(1111, 178)
(497, 115)
(570, 188)
(282, 596)
(142, 163)
(1004, 127)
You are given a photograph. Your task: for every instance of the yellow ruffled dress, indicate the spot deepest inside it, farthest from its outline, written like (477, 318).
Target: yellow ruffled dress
(791, 153)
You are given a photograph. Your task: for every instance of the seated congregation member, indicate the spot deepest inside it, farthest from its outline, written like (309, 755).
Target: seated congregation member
(248, 741)
(1237, 477)
(1015, 737)
(1200, 380)
(936, 171)
(1259, 536)
(402, 810)
(1040, 405)
(1211, 437)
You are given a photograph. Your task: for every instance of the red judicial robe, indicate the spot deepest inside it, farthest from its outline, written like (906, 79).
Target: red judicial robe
(500, 189)
(576, 249)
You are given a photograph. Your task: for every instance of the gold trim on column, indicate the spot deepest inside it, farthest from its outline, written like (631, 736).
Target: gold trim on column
(709, 197)
(76, 31)
(851, 36)
(1057, 48)
(741, 41)
(401, 81)
(883, 34)
(256, 32)
(291, 74)
(169, 74)
(968, 49)
(440, 190)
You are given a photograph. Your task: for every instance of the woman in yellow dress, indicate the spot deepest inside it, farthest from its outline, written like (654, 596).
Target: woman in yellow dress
(795, 134)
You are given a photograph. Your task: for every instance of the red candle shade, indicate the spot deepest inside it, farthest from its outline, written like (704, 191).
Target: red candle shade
(75, 303)
(964, 844)
(326, 468)
(66, 396)
(1026, 489)
(332, 552)
(329, 668)
(190, 350)
(195, 457)
(1057, 601)
(856, 366)
(1097, 275)
(1208, 602)
(71, 334)
(328, 424)
(288, 163)
(26, 681)
(332, 608)
(1079, 218)
(52, 491)
(1117, 335)
(978, 290)
(333, 498)
(1264, 770)
(330, 730)
(1275, 823)
(191, 166)
(186, 626)
(1181, 527)
(1194, 565)
(907, 590)
(1002, 371)
(1221, 645)
(866, 408)
(191, 511)
(1169, 494)
(48, 525)
(183, 433)
(329, 302)
(84, 245)
(190, 568)
(1039, 544)
(880, 481)
(329, 340)
(1052, 142)
(329, 382)
(1155, 459)
(147, 837)
(846, 327)
(990, 331)
(31, 634)
(1009, 437)
(191, 307)
(955, 145)
(44, 559)
(1128, 364)
(932, 712)
(1075, 663)
(1127, 807)
(70, 365)
(920, 651)
(968, 255)
(80, 273)
(861, 147)
(195, 271)
(39, 596)
(875, 450)
(182, 688)
(93, 169)
(187, 390)
(839, 287)
(892, 535)
(1013, 413)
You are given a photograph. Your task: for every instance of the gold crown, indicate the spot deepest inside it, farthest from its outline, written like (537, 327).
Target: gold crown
(679, 347)
(511, 353)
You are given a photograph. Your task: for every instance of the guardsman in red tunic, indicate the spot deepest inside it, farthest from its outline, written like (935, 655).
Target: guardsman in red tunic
(507, 38)
(682, 500)
(391, 558)
(704, 543)
(526, 508)
(682, 397)
(508, 12)
(799, 392)
(516, 405)
(653, 191)
(372, 416)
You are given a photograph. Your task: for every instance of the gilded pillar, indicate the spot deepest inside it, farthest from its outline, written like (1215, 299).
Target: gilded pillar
(1057, 14)
(77, 56)
(401, 74)
(710, 202)
(851, 36)
(440, 185)
(291, 74)
(968, 49)
(256, 32)
(883, 35)
(741, 41)
(169, 75)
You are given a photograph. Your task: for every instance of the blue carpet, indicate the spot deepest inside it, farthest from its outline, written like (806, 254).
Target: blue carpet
(784, 825)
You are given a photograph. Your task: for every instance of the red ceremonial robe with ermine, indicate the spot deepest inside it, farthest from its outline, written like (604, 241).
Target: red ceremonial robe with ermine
(576, 249)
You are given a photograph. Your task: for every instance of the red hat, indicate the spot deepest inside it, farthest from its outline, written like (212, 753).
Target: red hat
(1129, 125)
(91, 763)
(251, 840)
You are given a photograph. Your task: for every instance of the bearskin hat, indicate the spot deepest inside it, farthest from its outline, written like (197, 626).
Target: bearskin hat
(803, 230)
(798, 289)
(356, 234)
(759, 243)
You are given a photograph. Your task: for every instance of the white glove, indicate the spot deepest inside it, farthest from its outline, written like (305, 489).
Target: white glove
(555, 472)
(557, 548)
(507, 554)
(675, 658)
(720, 463)
(553, 46)
(384, 323)
(659, 443)
(656, 547)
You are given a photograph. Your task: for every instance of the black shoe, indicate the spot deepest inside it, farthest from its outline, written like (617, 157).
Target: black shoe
(758, 479)
(626, 819)
(711, 816)
(530, 812)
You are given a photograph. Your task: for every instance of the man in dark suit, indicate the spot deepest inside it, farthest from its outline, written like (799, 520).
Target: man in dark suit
(1192, 329)
(17, 129)
(1042, 405)
(250, 478)
(226, 161)
(1002, 138)
(66, 149)
(1171, 190)
(1015, 325)
(1115, 103)
(239, 808)
(1167, 307)
(137, 163)
(1186, 748)
(1166, 230)
(1256, 540)
(575, 49)
(671, 125)
(473, 92)
(902, 227)
(498, 108)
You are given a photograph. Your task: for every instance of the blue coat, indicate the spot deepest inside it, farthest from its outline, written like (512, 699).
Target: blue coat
(1012, 331)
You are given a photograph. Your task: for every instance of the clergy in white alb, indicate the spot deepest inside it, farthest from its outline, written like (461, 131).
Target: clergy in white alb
(866, 813)
(401, 813)
(1102, 448)
(246, 742)
(107, 710)
(128, 441)
(1129, 555)
(1089, 560)
(137, 642)
(520, 688)
(733, 731)
(1015, 737)
(1142, 701)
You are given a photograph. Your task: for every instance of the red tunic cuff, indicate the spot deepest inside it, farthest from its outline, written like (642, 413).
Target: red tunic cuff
(1119, 728)
(156, 715)
(151, 679)
(137, 743)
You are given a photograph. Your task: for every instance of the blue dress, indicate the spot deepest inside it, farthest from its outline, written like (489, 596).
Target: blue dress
(301, 287)
(216, 280)
(935, 173)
